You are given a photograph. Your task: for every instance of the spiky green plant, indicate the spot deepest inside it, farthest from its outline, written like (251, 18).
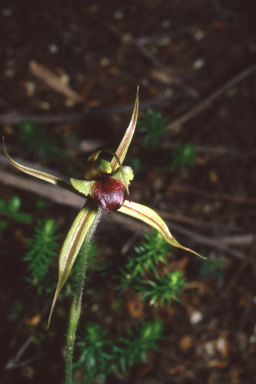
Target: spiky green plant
(162, 289)
(183, 156)
(38, 141)
(148, 254)
(153, 125)
(42, 248)
(94, 353)
(143, 338)
(100, 356)
(141, 272)
(11, 210)
(213, 268)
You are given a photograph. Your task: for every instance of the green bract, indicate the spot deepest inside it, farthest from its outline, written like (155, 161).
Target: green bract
(106, 186)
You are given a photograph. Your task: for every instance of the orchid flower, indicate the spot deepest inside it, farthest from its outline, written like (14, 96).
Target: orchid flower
(106, 187)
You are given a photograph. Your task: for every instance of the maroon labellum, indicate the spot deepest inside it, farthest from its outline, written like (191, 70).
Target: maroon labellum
(109, 193)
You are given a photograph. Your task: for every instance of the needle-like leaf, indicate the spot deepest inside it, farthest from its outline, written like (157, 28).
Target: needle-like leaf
(154, 220)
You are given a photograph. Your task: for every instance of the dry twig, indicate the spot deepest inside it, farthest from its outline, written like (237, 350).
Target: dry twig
(53, 81)
(95, 113)
(151, 58)
(213, 96)
(212, 195)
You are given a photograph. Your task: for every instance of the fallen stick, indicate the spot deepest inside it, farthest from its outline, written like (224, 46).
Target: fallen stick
(212, 195)
(53, 81)
(94, 113)
(213, 96)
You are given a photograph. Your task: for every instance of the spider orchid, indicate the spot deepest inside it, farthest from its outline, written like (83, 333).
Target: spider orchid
(106, 187)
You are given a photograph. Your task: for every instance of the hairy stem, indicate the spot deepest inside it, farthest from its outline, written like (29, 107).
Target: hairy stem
(77, 301)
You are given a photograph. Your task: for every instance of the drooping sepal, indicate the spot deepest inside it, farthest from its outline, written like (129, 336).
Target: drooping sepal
(154, 220)
(39, 174)
(83, 227)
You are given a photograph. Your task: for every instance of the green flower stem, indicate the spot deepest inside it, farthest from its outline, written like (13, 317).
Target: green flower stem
(77, 301)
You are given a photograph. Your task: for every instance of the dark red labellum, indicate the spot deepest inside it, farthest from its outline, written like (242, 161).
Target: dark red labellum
(109, 193)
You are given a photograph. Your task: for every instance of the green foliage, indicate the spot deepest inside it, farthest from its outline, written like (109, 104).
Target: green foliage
(141, 271)
(42, 248)
(211, 268)
(134, 349)
(162, 289)
(94, 353)
(182, 157)
(11, 209)
(148, 255)
(153, 124)
(134, 162)
(38, 141)
(41, 204)
(100, 356)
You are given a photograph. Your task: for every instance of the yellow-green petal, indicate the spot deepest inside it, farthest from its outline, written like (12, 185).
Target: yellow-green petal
(154, 220)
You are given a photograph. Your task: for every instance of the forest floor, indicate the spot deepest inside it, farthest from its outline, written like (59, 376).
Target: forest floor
(72, 68)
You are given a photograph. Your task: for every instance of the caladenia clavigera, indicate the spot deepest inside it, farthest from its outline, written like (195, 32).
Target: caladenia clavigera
(105, 186)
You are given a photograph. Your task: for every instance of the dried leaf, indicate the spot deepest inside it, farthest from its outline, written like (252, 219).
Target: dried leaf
(40, 175)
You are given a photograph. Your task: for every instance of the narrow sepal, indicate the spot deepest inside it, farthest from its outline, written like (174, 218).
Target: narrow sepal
(154, 220)
(40, 175)
(83, 227)
(124, 145)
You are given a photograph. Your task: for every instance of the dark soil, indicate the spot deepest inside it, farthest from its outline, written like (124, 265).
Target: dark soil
(179, 52)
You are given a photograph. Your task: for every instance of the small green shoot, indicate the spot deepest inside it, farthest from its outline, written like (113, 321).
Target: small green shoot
(134, 349)
(94, 353)
(134, 162)
(39, 142)
(42, 250)
(162, 290)
(148, 254)
(11, 209)
(153, 125)
(183, 156)
(141, 272)
(212, 268)
(100, 356)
